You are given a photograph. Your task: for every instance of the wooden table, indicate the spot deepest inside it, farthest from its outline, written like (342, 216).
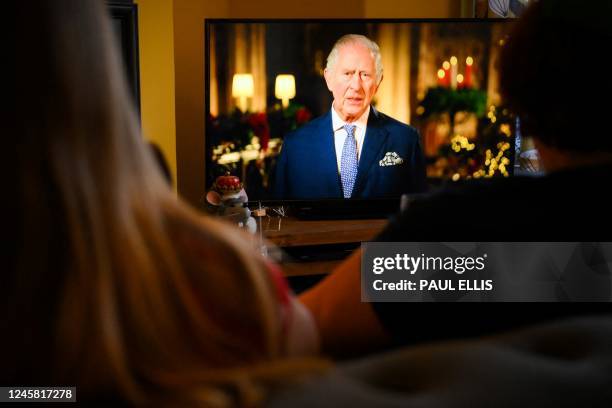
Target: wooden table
(289, 233)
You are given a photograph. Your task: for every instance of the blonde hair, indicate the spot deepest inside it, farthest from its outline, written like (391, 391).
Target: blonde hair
(113, 284)
(356, 39)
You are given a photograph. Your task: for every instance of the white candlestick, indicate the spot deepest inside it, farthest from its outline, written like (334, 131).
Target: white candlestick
(453, 78)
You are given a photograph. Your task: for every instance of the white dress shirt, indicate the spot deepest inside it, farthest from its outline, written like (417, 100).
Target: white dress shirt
(361, 125)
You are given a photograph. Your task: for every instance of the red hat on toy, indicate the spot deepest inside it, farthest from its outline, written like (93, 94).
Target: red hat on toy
(227, 184)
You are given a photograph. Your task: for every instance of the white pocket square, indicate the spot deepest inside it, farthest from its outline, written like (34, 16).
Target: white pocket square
(391, 159)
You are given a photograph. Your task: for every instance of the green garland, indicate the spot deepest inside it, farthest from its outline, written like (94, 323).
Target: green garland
(439, 100)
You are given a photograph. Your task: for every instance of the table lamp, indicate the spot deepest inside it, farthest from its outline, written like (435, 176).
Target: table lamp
(242, 88)
(285, 88)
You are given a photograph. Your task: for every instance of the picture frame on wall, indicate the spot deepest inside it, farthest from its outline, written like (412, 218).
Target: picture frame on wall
(499, 8)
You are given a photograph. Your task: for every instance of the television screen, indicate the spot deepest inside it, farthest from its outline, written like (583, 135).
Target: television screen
(429, 113)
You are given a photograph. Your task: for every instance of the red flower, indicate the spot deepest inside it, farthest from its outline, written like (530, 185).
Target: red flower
(259, 123)
(302, 116)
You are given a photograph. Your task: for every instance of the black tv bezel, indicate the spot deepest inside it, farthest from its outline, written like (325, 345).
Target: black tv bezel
(321, 203)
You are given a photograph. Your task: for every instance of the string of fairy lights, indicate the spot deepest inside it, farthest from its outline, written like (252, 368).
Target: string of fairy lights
(495, 161)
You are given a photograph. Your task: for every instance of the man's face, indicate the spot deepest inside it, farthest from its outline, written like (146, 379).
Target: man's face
(352, 81)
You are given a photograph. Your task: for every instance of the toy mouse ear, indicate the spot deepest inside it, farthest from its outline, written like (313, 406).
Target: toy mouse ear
(213, 198)
(243, 195)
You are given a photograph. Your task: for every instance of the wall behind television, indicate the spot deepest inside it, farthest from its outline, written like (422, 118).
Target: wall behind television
(172, 63)
(157, 96)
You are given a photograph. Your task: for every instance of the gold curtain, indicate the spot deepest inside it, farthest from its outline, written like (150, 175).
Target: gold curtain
(248, 56)
(393, 97)
(493, 92)
(428, 65)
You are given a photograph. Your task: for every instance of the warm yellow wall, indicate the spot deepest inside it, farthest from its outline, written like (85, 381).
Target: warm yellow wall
(412, 8)
(296, 9)
(189, 16)
(157, 92)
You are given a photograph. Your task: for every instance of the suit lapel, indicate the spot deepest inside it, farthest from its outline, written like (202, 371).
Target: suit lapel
(375, 138)
(328, 160)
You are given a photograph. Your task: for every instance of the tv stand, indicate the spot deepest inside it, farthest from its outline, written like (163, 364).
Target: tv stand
(311, 247)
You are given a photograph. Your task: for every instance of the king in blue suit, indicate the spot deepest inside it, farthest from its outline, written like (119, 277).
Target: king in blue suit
(353, 151)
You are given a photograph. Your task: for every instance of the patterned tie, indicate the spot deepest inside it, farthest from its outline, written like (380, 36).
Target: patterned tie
(348, 161)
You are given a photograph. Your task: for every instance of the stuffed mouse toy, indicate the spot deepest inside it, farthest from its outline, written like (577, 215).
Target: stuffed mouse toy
(227, 198)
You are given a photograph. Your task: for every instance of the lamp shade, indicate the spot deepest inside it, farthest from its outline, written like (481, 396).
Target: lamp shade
(242, 85)
(284, 87)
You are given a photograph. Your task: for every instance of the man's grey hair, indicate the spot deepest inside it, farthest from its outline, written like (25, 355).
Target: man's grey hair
(359, 39)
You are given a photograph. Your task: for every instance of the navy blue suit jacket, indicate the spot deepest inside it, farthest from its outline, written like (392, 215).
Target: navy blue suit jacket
(307, 167)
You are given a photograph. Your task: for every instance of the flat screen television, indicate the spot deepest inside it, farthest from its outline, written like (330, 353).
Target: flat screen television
(265, 79)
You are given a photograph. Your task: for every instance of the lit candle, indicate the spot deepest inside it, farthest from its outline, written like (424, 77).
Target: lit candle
(441, 77)
(446, 66)
(460, 83)
(453, 77)
(469, 61)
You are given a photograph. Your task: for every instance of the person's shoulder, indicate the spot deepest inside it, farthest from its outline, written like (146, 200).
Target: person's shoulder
(394, 126)
(462, 210)
(304, 133)
(467, 193)
(565, 205)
